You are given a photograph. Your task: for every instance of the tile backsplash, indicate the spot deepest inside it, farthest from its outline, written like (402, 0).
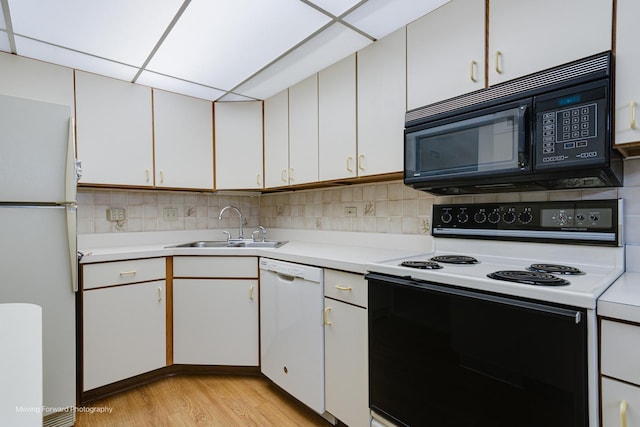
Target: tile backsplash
(144, 210)
(388, 207)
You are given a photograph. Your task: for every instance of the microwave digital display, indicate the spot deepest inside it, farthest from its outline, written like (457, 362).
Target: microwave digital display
(569, 100)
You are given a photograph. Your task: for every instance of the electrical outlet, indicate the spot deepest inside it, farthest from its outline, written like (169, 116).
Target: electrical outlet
(350, 211)
(115, 214)
(170, 214)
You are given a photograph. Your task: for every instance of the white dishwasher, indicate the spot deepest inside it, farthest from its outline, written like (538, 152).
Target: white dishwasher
(291, 329)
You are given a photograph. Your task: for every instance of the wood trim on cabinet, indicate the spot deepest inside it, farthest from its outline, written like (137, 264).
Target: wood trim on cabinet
(169, 311)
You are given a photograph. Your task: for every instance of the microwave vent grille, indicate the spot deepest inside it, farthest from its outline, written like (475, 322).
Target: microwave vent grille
(595, 64)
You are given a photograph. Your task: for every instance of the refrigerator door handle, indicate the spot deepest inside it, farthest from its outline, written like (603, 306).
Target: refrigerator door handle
(73, 246)
(71, 174)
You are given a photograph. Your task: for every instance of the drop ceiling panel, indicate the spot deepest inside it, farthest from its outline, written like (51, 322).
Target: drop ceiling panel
(220, 44)
(381, 17)
(336, 7)
(72, 59)
(178, 86)
(328, 47)
(121, 30)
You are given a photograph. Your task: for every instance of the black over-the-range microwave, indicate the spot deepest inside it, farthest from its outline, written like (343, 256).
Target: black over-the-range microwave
(548, 130)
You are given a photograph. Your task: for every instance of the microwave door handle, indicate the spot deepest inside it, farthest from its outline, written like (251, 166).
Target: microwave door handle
(524, 145)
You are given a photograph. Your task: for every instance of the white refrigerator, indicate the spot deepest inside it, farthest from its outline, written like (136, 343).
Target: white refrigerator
(38, 255)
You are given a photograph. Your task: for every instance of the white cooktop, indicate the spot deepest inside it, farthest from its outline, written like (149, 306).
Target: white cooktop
(602, 265)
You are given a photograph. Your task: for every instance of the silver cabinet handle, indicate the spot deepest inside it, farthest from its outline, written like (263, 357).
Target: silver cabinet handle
(159, 293)
(251, 292)
(343, 288)
(283, 175)
(128, 273)
(349, 160)
(632, 114)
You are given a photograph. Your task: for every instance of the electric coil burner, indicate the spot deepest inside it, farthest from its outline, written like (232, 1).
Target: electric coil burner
(555, 269)
(455, 259)
(529, 278)
(422, 265)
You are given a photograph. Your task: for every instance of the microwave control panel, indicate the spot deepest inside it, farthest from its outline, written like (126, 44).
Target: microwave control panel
(571, 128)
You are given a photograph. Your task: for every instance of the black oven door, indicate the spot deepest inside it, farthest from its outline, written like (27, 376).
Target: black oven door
(448, 357)
(476, 145)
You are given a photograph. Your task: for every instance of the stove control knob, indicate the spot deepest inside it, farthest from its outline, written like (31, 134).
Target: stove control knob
(446, 217)
(525, 217)
(494, 217)
(463, 217)
(509, 217)
(480, 217)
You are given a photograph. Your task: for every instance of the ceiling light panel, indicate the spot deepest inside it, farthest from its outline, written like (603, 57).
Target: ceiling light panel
(178, 86)
(4, 42)
(381, 17)
(56, 55)
(121, 30)
(335, 7)
(328, 47)
(221, 43)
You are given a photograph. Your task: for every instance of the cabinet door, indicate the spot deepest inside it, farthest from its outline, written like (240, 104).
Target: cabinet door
(627, 72)
(215, 322)
(527, 36)
(303, 131)
(113, 131)
(613, 410)
(183, 141)
(445, 53)
(238, 128)
(124, 332)
(276, 140)
(337, 120)
(346, 363)
(381, 105)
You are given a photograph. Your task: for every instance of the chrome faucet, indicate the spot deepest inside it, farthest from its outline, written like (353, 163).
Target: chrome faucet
(241, 235)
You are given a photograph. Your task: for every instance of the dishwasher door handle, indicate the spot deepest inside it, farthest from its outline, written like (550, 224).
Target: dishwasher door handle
(286, 277)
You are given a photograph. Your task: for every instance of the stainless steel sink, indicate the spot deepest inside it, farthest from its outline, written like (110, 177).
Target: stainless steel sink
(230, 244)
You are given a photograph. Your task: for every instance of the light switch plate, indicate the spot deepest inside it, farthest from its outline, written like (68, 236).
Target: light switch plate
(170, 214)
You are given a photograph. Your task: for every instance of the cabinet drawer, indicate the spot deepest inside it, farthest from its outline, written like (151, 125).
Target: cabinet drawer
(613, 393)
(620, 351)
(347, 287)
(122, 272)
(219, 266)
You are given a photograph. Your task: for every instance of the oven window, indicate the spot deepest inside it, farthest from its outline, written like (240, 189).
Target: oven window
(481, 144)
(439, 359)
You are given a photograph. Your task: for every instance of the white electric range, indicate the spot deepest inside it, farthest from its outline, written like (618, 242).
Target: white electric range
(562, 256)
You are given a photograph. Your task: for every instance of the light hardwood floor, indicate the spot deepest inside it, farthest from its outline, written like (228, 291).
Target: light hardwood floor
(211, 400)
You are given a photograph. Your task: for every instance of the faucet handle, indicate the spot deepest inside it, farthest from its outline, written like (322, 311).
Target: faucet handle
(261, 230)
(227, 234)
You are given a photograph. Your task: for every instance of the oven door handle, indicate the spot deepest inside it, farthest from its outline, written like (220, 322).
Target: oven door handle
(569, 314)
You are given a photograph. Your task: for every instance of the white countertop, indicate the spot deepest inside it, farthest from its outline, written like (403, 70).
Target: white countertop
(622, 299)
(346, 251)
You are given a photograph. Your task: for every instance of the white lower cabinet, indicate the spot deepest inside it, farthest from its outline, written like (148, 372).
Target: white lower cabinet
(215, 322)
(620, 404)
(215, 311)
(620, 369)
(124, 332)
(346, 348)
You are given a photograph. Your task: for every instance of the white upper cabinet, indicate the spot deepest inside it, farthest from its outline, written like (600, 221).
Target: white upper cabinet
(303, 131)
(445, 52)
(27, 78)
(276, 140)
(183, 141)
(382, 105)
(529, 36)
(627, 71)
(238, 129)
(337, 120)
(114, 131)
